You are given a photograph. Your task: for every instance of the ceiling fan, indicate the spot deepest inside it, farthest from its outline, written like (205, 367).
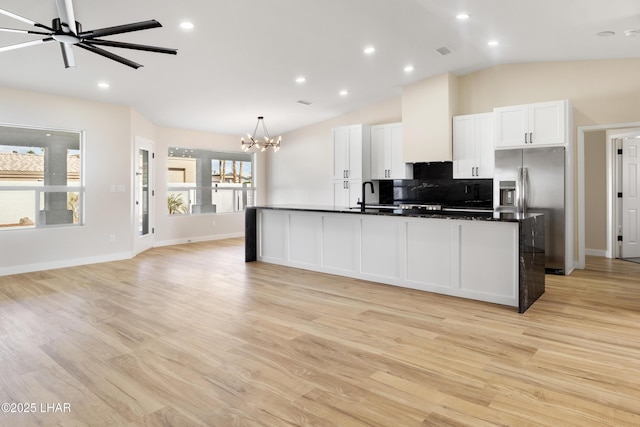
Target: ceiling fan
(68, 32)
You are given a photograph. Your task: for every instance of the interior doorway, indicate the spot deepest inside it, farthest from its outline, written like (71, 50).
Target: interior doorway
(613, 181)
(626, 206)
(144, 193)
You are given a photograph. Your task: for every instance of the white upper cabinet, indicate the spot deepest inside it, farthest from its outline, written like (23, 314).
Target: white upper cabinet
(532, 125)
(351, 152)
(351, 164)
(386, 153)
(473, 146)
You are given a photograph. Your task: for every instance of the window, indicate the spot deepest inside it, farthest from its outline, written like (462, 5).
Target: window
(40, 178)
(206, 181)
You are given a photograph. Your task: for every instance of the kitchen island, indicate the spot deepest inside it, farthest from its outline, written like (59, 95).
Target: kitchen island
(493, 257)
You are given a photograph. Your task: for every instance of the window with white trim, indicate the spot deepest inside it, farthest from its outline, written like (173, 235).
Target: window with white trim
(208, 181)
(40, 177)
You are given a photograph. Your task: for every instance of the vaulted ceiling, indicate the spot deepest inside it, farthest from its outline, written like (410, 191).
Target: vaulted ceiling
(242, 57)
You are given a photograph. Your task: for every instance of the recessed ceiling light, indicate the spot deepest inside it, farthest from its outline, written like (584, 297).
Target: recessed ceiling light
(462, 16)
(606, 33)
(104, 85)
(408, 68)
(631, 33)
(344, 92)
(369, 50)
(301, 79)
(493, 43)
(186, 25)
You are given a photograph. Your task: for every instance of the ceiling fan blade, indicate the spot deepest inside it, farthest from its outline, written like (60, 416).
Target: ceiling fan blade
(26, 44)
(133, 46)
(67, 18)
(25, 20)
(67, 55)
(109, 55)
(119, 29)
(13, 30)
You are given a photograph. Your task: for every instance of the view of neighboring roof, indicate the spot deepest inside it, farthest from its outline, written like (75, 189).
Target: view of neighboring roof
(12, 164)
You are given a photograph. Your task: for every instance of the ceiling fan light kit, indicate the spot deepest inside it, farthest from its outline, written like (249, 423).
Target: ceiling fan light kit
(68, 32)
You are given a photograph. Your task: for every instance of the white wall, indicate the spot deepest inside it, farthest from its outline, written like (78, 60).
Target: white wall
(300, 172)
(107, 156)
(111, 131)
(172, 229)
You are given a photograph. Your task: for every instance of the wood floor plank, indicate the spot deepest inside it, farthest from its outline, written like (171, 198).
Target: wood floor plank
(191, 335)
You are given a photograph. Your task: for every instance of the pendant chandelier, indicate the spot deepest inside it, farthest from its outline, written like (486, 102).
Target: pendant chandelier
(258, 144)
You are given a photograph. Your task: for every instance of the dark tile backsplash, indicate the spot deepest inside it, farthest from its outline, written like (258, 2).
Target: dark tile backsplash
(433, 183)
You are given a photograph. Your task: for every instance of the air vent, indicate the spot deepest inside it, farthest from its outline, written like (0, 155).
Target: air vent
(444, 50)
(303, 102)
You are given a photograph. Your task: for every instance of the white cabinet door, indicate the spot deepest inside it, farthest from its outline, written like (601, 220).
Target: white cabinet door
(547, 123)
(489, 267)
(355, 153)
(340, 153)
(473, 146)
(349, 152)
(346, 193)
(398, 168)
(379, 148)
(485, 145)
(464, 146)
(532, 125)
(386, 153)
(512, 125)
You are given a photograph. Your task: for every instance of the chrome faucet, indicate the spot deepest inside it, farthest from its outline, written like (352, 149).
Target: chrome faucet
(363, 204)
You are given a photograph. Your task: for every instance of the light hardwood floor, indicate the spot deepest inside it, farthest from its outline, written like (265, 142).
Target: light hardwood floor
(190, 335)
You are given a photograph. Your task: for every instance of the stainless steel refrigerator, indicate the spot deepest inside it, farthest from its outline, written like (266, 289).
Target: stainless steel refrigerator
(533, 180)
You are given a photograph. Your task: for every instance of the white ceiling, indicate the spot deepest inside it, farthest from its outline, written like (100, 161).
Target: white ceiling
(243, 56)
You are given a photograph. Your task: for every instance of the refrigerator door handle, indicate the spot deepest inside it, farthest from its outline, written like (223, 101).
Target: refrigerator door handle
(519, 189)
(526, 187)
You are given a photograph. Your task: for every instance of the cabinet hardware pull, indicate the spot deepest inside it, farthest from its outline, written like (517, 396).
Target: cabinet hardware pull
(525, 138)
(530, 137)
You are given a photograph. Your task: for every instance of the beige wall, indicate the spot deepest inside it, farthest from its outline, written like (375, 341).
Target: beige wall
(595, 180)
(601, 92)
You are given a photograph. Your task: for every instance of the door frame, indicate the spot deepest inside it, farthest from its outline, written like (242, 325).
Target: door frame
(615, 141)
(143, 243)
(612, 130)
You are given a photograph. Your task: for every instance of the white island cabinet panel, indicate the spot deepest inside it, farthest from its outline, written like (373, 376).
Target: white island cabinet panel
(429, 254)
(466, 258)
(489, 271)
(305, 238)
(274, 227)
(381, 247)
(341, 242)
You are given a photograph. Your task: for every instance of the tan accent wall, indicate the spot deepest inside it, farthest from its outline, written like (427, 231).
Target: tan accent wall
(595, 180)
(427, 109)
(601, 92)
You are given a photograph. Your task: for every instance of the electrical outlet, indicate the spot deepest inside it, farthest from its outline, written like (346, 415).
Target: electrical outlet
(112, 238)
(213, 223)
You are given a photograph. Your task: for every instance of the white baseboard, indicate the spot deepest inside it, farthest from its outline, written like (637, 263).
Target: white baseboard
(29, 268)
(182, 241)
(595, 252)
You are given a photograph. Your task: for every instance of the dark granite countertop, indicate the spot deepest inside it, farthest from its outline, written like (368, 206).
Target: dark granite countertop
(390, 211)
